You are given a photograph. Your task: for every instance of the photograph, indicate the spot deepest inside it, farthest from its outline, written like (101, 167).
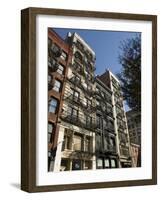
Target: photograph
(94, 99)
(89, 109)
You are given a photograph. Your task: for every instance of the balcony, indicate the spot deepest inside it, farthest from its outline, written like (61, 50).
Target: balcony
(80, 102)
(104, 98)
(78, 121)
(75, 81)
(72, 119)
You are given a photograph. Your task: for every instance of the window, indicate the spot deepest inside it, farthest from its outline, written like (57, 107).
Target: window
(78, 56)
(53, 103)
(88, 120)
(77, 79)
(60, 69)
(67, 142)
(77, 140)
(73, 112)
(113, 163)
(85, 85)
(89, 87)
(97, 102)
(89, 103)
(97, 89)
(103, 105)
(85, 101)
(75, 95)
(63, 56)
(98, 142)
(49, 78)
(99, 121)
(107, 163)
(52, 63)
(99, 163)
(79, 45)
(49, 62)
(56, 50)
(50, 131)
(87, 144)
(57, 86)
(49, 42)
(112, 141)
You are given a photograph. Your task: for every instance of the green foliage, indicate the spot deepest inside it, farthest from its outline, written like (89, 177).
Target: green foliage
(130, 75)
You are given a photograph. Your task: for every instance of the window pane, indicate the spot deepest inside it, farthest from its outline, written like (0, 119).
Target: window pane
(76, 94)
(60, 69)
(112, 141)
(85, 101)
(77, 142)
(107, 163)
(75, 112)
(63, 55)
(89, 102)
(53, 105)
(99, 163)
(50, 128)
(113, 163)
(87, 145)
(57, 86)
(49, 137)
(49, 78)
(69, 110)
(53, 102)
(52, 109)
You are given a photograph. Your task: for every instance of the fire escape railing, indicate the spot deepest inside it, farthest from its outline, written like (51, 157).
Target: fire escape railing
(78, 121)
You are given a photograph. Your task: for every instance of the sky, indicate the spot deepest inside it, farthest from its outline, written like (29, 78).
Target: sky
(105, 44)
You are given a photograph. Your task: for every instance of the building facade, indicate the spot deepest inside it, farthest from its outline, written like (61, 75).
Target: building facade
(106, 149)
(121, 129)
(134, 126)
(59, 57)
(76, 134)
(87, 126)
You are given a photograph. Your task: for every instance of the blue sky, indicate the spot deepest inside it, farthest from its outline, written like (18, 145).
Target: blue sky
(105, 44)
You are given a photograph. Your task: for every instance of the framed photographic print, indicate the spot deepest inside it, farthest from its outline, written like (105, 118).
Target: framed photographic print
(89, 99)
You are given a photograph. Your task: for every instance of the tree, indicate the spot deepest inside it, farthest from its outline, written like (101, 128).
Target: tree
(130, 75)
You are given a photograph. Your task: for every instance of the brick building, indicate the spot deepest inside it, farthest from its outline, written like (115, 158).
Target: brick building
(59, 57)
